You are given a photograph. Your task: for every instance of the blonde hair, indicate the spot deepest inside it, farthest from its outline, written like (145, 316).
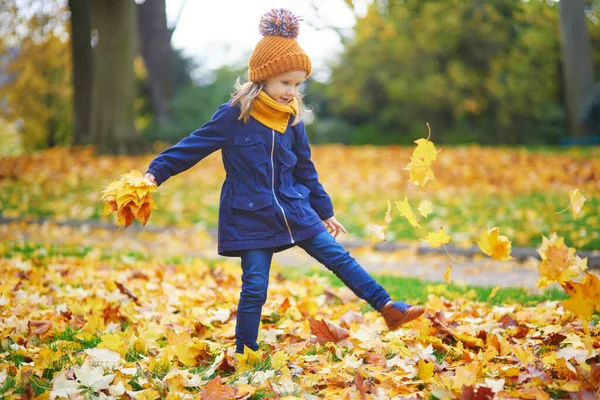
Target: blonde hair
(246, 93)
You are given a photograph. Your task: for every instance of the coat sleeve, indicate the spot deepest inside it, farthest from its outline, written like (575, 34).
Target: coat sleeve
(306, 174)
(193, 148)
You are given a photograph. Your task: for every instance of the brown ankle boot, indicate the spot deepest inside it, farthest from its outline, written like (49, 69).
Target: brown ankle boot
(394, 317)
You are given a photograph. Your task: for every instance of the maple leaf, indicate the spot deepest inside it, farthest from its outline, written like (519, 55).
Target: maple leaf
(425, 369)
(375, 359)
(421, 160)
(420, 172)
(425, 208)
(215, 390)
(39, 327)
(94, 378)
(425, 150)
(327, 332)
(64, 387)
(584, 296)
(248, 359)
(576, 201)
(559, 262)
(114, 342)
(437, 239)
(495, 245)
(278, 360)
(406, 211)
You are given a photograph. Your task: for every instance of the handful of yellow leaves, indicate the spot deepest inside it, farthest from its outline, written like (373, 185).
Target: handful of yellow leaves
(130, 198)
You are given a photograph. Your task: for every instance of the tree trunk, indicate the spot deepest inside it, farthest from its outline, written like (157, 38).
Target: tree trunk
(577, 61)
(155, 38)
(113, 113)
(82, 68)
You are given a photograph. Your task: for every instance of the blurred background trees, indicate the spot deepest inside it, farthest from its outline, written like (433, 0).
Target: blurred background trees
(104, 72)
(488, 72)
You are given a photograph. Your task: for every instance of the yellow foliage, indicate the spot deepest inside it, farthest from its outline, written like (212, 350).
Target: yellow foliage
(495, 245)
(40, 94)
(559, 262)
(406, 211)
(437, 239)
(130, 198)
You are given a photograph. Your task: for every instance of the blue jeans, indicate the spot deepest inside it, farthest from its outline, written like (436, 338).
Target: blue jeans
(323, 247)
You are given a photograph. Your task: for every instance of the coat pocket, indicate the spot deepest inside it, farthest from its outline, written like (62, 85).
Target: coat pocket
(251, 150)
(248, 139)
(298, 197)
(253, 210)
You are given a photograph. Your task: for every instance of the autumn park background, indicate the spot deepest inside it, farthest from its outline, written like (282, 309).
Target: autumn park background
(502, 246)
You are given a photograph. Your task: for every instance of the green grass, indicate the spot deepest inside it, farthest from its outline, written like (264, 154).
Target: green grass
(414, 290)
(523, 218)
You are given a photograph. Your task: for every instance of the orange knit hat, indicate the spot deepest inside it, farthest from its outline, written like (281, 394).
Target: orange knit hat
(278, 51)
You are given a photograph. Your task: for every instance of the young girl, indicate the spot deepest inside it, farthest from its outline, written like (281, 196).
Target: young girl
(272, 199)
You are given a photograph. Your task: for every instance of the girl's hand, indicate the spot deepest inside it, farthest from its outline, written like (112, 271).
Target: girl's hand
(150, 177)
(334, 227)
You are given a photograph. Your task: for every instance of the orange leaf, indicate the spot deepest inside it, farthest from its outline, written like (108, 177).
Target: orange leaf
(360, 386)
(127, 292)
(215, 390)
(327, 332)
(480, 393)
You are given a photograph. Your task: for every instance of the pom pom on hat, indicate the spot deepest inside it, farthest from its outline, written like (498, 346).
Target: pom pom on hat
(278, 51)
(279, 22)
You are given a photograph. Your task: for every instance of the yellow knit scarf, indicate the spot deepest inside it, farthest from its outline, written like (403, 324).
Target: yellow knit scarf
(271, 113)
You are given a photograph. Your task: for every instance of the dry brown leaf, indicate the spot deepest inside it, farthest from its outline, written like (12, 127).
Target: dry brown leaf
(327, 332)
(215, 390)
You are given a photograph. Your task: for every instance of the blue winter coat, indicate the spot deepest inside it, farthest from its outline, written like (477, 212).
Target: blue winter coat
(271, 196)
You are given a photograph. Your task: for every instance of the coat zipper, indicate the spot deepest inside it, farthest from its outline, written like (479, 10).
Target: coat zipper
(273, 187)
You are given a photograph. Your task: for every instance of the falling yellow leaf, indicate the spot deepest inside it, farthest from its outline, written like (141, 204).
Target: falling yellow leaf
(494, 245)
(388, 213)
(437, 239)
(447, 274)
(559, 262)
(425, 150)
(420, 172)
(420, 163)
(406, 211)
(425, 208)
(493, 292)
(576, 201)
(376, 233)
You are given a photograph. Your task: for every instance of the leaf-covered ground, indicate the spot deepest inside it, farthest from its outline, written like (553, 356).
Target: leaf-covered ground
(93, 313)
(100, 316)
(517, 190)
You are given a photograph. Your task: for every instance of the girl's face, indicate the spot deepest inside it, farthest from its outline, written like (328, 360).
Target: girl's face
(284, 87)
